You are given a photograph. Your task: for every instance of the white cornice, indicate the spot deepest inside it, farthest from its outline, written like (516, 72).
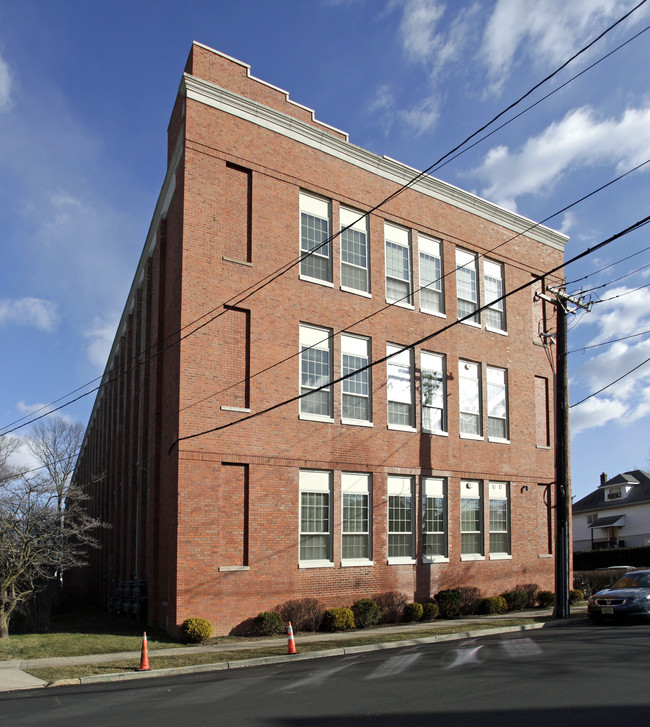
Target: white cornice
(219, 98)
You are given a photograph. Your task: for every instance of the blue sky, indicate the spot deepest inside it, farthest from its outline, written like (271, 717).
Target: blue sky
(86, 90)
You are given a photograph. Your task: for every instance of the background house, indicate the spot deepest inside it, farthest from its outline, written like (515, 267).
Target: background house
(615, 515)
(268, 274)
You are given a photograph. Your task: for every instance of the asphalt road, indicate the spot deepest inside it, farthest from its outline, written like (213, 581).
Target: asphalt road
(574, 675)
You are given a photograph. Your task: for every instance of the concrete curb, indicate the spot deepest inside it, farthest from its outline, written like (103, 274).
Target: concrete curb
(266, 660)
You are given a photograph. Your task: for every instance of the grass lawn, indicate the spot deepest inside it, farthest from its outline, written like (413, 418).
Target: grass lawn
(79, 631)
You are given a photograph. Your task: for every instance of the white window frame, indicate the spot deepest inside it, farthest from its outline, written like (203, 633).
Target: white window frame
(359, 347)
(469, 387)
(357, 223)
(321, 209)
(401, 238)
(433, 367)
(432, 248)
(320, 339)
(397, 390)
(317, 482)
(472, 490)
(497, 401)
(494, 271)
(401, 487)
(358, 485)
(500, 492)
(435, 488)
(467, 264)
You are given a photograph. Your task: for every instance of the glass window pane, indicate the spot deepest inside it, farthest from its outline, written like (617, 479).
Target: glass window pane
(314, 234)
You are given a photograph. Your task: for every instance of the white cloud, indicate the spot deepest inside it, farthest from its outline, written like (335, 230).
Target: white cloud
(578, 140)
(547, 31)
(100, 338)
(628, 400)
(595, 412)
(422, 117)
(34, 312)
(417, 29)
(5, 86)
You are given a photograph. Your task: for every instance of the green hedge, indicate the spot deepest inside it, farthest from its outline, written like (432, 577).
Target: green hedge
(593, 559)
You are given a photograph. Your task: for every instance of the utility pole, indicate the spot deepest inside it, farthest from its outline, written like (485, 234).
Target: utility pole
(562, 461)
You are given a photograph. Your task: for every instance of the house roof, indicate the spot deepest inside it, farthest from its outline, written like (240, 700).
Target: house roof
(613, 521)
(637, 479)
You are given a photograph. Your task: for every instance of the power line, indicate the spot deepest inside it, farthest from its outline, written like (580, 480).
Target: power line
(271, 277)
(616, 262)
(637, 225)
(607, 343)
(631, 371)
(621, 295)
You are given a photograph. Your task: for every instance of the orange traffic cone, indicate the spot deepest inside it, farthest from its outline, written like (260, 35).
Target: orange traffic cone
(292, 643)
(144, 656)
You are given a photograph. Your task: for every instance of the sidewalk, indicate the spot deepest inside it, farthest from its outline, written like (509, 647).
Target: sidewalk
(13, 675)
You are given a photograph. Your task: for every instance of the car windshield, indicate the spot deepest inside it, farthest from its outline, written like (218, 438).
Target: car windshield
(632, 580)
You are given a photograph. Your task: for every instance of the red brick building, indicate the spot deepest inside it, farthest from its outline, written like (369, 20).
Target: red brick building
(425, 471)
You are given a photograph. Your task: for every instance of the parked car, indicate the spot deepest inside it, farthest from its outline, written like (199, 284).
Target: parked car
(628, 597)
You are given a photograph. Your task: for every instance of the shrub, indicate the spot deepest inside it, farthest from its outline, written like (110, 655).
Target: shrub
(471, 600)
(305, 614)
(515, 599)
(412, 612)
(531, 590)
(430, 611)
(338, 619)
(493, 605)
(546, 598)
(392, 605)
(197, 630)
(575, 596)
(589, 582)
(366, 612)
(268, 623)
(449, 602)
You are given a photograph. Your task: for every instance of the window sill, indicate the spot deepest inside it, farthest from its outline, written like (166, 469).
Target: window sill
(401, 304)
(233, 568)
(436, 313)
(435, 559)
(472, 556)
(238, 262)
(498, 331)
(240, 409)
(543, 446)
(498, 440)
(401, 561)
(473, 324)
(400, 428)
(545, 555)
(436, 433)
(475, 437)
(500, 556)
(326, 283)
(356, 423)
(316, 418)
(315, 564)
(356, 563)
(362, 293)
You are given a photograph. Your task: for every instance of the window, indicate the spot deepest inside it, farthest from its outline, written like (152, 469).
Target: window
(467, 286)
(495, 315)
(400, 518)
(434, 519)
(471, 519)
(355, 529)
(400, 387)
(497, 403)
(432, 384)
(314, 238)
(542, 424)
(469, 393)
(315, 521)
(398, 265)
(315, 371)
(354, 251)
(355, 405)
(499, 518)
(431, 290)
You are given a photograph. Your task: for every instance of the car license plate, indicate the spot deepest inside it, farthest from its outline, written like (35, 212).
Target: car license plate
(607, 610)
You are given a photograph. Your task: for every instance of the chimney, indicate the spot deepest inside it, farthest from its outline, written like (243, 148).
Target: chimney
(603, 478)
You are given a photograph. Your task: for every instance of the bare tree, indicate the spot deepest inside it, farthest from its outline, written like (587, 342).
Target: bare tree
(44, 526)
